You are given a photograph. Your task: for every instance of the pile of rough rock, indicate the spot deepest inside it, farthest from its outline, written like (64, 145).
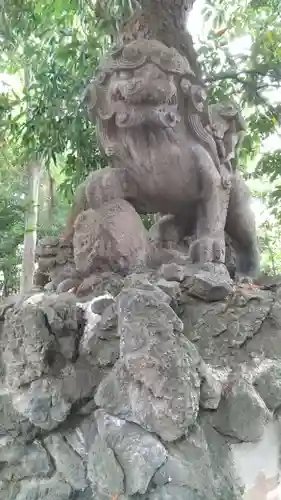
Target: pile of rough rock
(111, 239)
(138, 391)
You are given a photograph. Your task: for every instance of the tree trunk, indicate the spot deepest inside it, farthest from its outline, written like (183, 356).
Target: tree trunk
(30, 235)
(46, 194)
(5, 289)
(164, 20)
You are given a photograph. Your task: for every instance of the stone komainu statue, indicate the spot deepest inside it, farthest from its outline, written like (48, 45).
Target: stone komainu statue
(169, 152)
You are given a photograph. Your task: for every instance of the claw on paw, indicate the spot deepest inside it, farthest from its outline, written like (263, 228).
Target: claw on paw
(207, 250)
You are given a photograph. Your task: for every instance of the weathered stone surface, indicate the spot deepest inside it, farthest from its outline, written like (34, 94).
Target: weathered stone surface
(9, 490)
(104, 472)
(34, 334)
(91, 330)
(53, 489)
(211, 388)
(96, 285)
(68, 463)
(25, 461)
(55, 262)
(203, 463)
(139, 453)
(141, 281)
(47, 246)
(63, 314)
(268, 383)
(227, 483)
(231, 330)
(168, 417)
(156, 384)
(268, 343)
(155, 388)
(42, 403)
(113, 392)
(26, 342)
(112, 237)
(171, 288)
(102, 352)
(108, 318)
(98, 327)
(212, 283)
(189, 464)
(99, 304)
(242, 413)
(172, 272)
(87, 408)
(68, 347)
(85, 495)
(78, 381)
(13, 424)
(172, 492)
(97, 330)
(133, 301)
(108, 352)
(82, 437)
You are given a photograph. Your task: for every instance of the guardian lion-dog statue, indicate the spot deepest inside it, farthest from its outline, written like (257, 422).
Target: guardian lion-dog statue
(155, 126)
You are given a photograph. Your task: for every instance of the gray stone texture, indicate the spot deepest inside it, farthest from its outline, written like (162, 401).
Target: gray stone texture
(211, 284)
(148, 411)
(242, 413)
(68, 463)
(139, 453)
(42, 403)
(104, 472)
(53, 489)
(156, 383)
(268, 383)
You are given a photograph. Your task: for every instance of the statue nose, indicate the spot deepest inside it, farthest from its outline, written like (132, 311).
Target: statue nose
(131, 85)
(156, 75)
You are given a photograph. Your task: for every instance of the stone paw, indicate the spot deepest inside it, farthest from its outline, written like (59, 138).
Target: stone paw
(207, 250)
(68, 285)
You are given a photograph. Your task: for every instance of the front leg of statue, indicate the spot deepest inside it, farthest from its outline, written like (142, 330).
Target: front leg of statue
(209, 245)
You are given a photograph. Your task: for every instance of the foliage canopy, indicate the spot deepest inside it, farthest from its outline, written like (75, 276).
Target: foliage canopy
(51, 49)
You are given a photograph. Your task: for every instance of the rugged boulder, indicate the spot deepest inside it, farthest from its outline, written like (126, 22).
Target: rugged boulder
(143, 390)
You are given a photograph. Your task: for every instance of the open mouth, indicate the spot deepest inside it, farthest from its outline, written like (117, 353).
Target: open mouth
(151, 100)
(164, 116)
(143, 97)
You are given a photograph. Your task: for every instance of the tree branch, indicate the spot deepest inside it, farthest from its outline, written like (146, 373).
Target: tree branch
(233, 75)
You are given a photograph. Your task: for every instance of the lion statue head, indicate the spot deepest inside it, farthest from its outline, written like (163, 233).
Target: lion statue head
(225, 116)
(229, 128)
(135, 85)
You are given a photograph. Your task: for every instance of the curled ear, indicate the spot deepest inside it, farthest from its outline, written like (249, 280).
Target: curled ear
(232, 112)
(196, 93)
(199, 97)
